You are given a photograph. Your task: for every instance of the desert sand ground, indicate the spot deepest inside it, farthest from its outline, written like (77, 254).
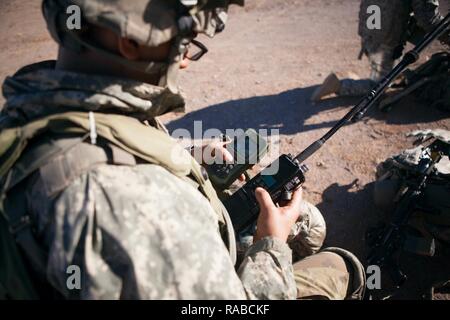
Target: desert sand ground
(260, 73)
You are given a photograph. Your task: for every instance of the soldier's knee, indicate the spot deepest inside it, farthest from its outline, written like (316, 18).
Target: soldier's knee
(331, 274)
(309, 232)
(357, 276)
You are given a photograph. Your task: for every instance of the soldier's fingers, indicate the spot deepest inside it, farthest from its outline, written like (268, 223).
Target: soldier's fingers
(297, 197)
(264, 200)
(221, 150)
(224, 147)
(227, 156)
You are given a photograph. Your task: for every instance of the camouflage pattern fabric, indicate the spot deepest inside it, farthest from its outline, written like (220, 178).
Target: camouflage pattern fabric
(39, 90)
(137, 232)
(308, 233)
(395, 16)
(355, 87)
(380, 45)
(148, 22)
(332, 274)
(322, 276)
(101, 219)
(381, 63)
(141, 239)
(422, 135)
(134, 235)
(410, 157)
(113, 242)
(306, 237)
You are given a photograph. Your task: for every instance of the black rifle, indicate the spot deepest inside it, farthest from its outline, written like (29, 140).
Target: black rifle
(242, 205)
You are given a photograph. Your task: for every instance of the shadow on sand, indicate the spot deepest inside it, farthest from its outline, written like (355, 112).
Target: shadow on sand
(289, 110)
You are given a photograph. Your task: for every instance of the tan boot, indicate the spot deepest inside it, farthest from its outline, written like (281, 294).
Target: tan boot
(329, 86)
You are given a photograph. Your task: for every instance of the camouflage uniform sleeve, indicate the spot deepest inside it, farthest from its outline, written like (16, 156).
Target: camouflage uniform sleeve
(266, 271)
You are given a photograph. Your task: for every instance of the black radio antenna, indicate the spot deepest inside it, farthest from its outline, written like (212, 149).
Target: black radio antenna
(358, 111)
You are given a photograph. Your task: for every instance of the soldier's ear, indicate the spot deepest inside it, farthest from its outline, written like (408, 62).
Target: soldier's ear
(128, 48)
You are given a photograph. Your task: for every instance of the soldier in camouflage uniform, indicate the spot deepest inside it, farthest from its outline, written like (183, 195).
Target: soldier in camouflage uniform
(383, 46)
(90, 178)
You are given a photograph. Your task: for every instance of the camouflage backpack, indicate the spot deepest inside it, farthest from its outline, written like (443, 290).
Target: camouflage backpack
(432, 214)
(435, 73)
(430, 83)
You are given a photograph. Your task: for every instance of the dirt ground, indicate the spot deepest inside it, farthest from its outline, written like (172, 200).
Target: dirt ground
(260, 73)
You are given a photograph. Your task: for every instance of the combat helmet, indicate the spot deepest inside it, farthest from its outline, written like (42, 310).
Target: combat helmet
(148, 22)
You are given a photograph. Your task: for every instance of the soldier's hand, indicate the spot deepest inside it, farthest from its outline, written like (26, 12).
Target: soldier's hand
(215, 150)
(276, 221)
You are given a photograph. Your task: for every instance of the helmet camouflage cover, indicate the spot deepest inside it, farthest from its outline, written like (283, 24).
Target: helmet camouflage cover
(148, 22)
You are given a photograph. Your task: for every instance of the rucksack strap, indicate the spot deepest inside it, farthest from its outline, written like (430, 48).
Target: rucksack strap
(64, 168)
(125, 144)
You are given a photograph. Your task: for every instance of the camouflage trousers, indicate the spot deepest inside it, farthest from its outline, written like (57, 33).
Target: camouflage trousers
(381, 63)
(326, 274)
(322, 276)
